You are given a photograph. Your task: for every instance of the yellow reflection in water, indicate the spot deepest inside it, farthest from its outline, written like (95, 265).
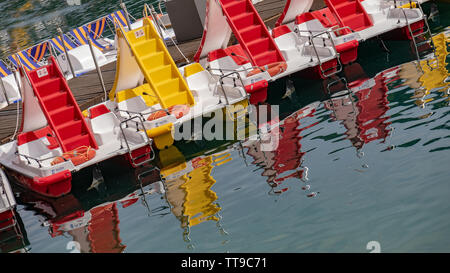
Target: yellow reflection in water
(189, 188)
(431, 74)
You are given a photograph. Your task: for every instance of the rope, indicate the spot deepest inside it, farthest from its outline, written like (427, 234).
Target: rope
(159, 22)
(76, 153)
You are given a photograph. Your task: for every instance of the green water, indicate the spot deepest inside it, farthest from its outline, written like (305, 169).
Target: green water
(377, 170)
(25, 23)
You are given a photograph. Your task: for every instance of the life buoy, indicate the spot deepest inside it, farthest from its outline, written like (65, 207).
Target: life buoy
(178, 110)
(273, 69)
(156, 115)
(77, 156)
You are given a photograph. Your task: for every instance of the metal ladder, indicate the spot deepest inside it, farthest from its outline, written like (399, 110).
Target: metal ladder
(347, 92)
(419, 35)
(14, 225)
(140, 178)
(239, 115)
(151, 154)
(334, 69)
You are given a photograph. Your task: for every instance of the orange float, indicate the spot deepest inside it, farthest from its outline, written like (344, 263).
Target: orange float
(273, 69)
(156, 115)
(77, 156)
(178, 111)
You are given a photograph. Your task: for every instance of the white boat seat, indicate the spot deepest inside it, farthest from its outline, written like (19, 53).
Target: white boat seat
(202, 84)
(200, 79)
(288, 42)
(314, 25)
(226, 63)
(106, 129)
(323, 52)
(37, 149)
(135, 104)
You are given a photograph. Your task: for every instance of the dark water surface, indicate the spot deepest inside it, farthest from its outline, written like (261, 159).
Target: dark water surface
(348, 170)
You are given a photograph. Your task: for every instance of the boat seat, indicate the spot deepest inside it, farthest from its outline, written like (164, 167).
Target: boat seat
(97, 110)
(200, 79)
(219, 59)
(106, 128)
(104, 124)
(45, 132)
(323, 52)
(322, 42)
(287, 41)
(313, 25)
(135, 104)
(38, 149)
(221, 63)
(202, 84)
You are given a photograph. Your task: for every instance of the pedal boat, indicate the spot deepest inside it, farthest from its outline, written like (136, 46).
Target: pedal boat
(55, 141)
(151, 89)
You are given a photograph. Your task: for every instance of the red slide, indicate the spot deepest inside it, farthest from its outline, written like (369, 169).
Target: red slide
(251, 32)
(350, 13)
(60, 108)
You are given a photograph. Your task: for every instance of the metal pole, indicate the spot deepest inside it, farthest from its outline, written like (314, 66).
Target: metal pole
(17, 81)
(99, 71)
(18, 104)
(127, 17)
(61, 34)
(4, 91)
(155, 20)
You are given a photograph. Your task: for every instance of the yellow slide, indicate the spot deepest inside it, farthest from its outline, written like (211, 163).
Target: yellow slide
(158, 67)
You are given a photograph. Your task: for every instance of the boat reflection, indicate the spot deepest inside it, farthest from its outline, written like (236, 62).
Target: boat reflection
(189, 188)
(92, 218)
(430, 74)
(282, 159)
(13, 236)
(362, 111)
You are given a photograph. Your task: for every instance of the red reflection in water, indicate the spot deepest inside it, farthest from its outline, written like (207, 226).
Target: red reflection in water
(364, 118)
(285, 160)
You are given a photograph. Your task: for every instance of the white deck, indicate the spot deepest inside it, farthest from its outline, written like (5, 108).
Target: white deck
(10, 160)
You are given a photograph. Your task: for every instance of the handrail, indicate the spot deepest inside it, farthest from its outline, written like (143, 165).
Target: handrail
(4, 91)
(413, 37)
(38, 161)
(2, 184)
(141, 114)
(333, 45)
(154, 19)
(349, 92)
(234, 82)
(158, 24)
(149, 141)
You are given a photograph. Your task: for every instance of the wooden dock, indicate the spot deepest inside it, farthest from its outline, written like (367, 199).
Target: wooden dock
(87, 88)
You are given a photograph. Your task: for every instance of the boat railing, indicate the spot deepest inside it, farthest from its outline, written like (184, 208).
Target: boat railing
(30, 158)
(149, 141)
(422, 33)
(11, 204)
(141, 114)
(337, 29)
(4, 191)
(312, 36)
(234, 84)
(158, 24)
(346, 92)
